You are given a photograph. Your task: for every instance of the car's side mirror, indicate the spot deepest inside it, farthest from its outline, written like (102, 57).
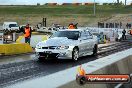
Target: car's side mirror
(80, 39)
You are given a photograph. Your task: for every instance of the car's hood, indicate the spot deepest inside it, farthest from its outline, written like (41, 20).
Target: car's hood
(57, 41)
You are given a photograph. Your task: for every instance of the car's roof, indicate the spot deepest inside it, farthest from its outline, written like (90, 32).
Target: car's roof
(10, 22)
(71, 30)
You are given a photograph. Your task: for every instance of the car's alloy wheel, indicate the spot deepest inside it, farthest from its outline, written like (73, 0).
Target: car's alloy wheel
(75, 54)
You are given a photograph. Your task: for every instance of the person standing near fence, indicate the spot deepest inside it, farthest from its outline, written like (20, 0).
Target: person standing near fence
(124, 34)
(27, 34)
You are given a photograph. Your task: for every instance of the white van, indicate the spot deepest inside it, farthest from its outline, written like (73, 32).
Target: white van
(10, 26)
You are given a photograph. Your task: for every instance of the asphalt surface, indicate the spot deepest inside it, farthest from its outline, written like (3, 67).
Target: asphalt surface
(11, 73)
(16, 58)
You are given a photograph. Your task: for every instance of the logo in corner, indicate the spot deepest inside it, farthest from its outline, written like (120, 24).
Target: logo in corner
(81, 76)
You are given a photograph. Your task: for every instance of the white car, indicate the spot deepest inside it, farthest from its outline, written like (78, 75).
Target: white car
(67, 44)
(10, 26)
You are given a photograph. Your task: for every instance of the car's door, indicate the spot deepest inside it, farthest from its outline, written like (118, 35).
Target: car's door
(90, 42)
(83, 43)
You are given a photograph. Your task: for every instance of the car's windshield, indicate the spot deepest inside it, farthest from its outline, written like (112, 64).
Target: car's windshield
(13, 25)
(69, 34)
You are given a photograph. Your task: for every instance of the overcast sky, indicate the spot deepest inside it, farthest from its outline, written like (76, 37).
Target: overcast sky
(27, 2)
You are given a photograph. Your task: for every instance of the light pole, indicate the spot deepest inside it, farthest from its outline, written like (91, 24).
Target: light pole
(94, 8)
(125, 2)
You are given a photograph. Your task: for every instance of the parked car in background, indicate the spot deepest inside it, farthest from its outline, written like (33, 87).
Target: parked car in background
(10, 26)
(67, 44)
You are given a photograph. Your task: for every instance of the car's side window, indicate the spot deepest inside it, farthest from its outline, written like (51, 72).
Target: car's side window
(83, 35)
(89, 35)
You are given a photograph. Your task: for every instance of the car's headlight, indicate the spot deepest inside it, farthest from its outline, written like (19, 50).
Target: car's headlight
(62, 47)
(38, 46)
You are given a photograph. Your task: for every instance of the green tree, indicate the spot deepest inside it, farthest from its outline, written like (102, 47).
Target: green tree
(38, 4)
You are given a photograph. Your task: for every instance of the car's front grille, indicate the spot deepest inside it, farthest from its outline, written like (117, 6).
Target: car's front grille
(45, 48)
(49, 47)
(53, 55)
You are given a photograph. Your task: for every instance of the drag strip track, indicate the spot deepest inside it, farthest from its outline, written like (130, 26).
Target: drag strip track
(15, 72)
(104, 51)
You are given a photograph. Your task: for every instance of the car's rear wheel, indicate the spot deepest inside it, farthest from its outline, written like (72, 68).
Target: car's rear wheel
(75, 54)
(95, 50)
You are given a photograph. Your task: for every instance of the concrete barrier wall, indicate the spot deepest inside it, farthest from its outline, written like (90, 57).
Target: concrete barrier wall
(17, 48)
(123, 66)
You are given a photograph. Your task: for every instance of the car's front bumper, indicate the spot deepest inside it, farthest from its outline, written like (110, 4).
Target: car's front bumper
(50, 53)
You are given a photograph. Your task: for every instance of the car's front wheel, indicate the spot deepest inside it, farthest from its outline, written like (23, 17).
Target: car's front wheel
(75, 54)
